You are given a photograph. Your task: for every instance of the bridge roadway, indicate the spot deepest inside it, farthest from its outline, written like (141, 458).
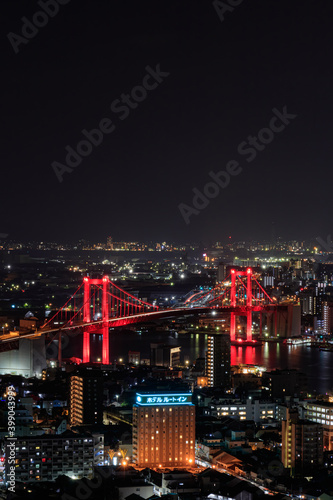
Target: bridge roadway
(141, 317)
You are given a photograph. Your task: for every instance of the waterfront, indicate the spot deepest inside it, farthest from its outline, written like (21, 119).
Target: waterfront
(318, 365)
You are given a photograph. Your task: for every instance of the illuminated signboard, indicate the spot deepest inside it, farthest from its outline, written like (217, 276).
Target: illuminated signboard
(164, 399)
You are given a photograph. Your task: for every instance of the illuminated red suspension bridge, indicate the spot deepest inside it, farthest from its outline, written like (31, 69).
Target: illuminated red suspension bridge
(99, 304)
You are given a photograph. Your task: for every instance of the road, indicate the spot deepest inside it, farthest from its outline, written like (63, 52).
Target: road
(205, 463)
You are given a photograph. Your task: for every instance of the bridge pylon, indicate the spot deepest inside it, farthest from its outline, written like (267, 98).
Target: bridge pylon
(235, 275)
(104, 327)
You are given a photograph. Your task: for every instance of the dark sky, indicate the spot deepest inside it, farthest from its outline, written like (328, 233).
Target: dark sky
(225, 79)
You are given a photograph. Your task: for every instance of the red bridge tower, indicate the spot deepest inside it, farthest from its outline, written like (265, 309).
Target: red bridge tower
(104, 327)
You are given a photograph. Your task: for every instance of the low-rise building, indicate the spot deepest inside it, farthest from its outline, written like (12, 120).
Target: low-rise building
(252, 409)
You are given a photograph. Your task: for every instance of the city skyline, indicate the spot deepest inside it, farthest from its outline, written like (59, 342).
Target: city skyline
(323, 244)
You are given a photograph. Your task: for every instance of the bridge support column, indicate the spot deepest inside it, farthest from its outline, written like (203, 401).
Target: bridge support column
(105, 345)
(233, 304)
(249, 305)
(86, 300)
(105, 316)
(59, 350)
(232, 326)
(86, 319)
(249, 326)
(86, 347)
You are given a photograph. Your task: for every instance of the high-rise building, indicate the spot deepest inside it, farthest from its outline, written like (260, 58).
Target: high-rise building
(109, 242)
(327, 314)
(218, 360)
(86, 397)
(164, 430)
(302, 443)
(308, 303)
(221, 272)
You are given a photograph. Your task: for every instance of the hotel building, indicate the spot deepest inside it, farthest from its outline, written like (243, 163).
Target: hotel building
(164, 430)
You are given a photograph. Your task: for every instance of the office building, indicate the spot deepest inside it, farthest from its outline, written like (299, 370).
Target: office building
(86, 397)
(164, 430)
(218, 360)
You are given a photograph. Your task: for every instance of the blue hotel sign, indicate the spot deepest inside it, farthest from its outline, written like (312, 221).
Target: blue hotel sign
(164, 399)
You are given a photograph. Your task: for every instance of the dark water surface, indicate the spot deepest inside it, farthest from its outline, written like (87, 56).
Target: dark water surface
(318, 365)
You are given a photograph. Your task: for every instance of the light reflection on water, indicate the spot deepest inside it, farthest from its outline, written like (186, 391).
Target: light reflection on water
(318, 365)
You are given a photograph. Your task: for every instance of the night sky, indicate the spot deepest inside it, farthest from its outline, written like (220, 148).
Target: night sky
(224, 79)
